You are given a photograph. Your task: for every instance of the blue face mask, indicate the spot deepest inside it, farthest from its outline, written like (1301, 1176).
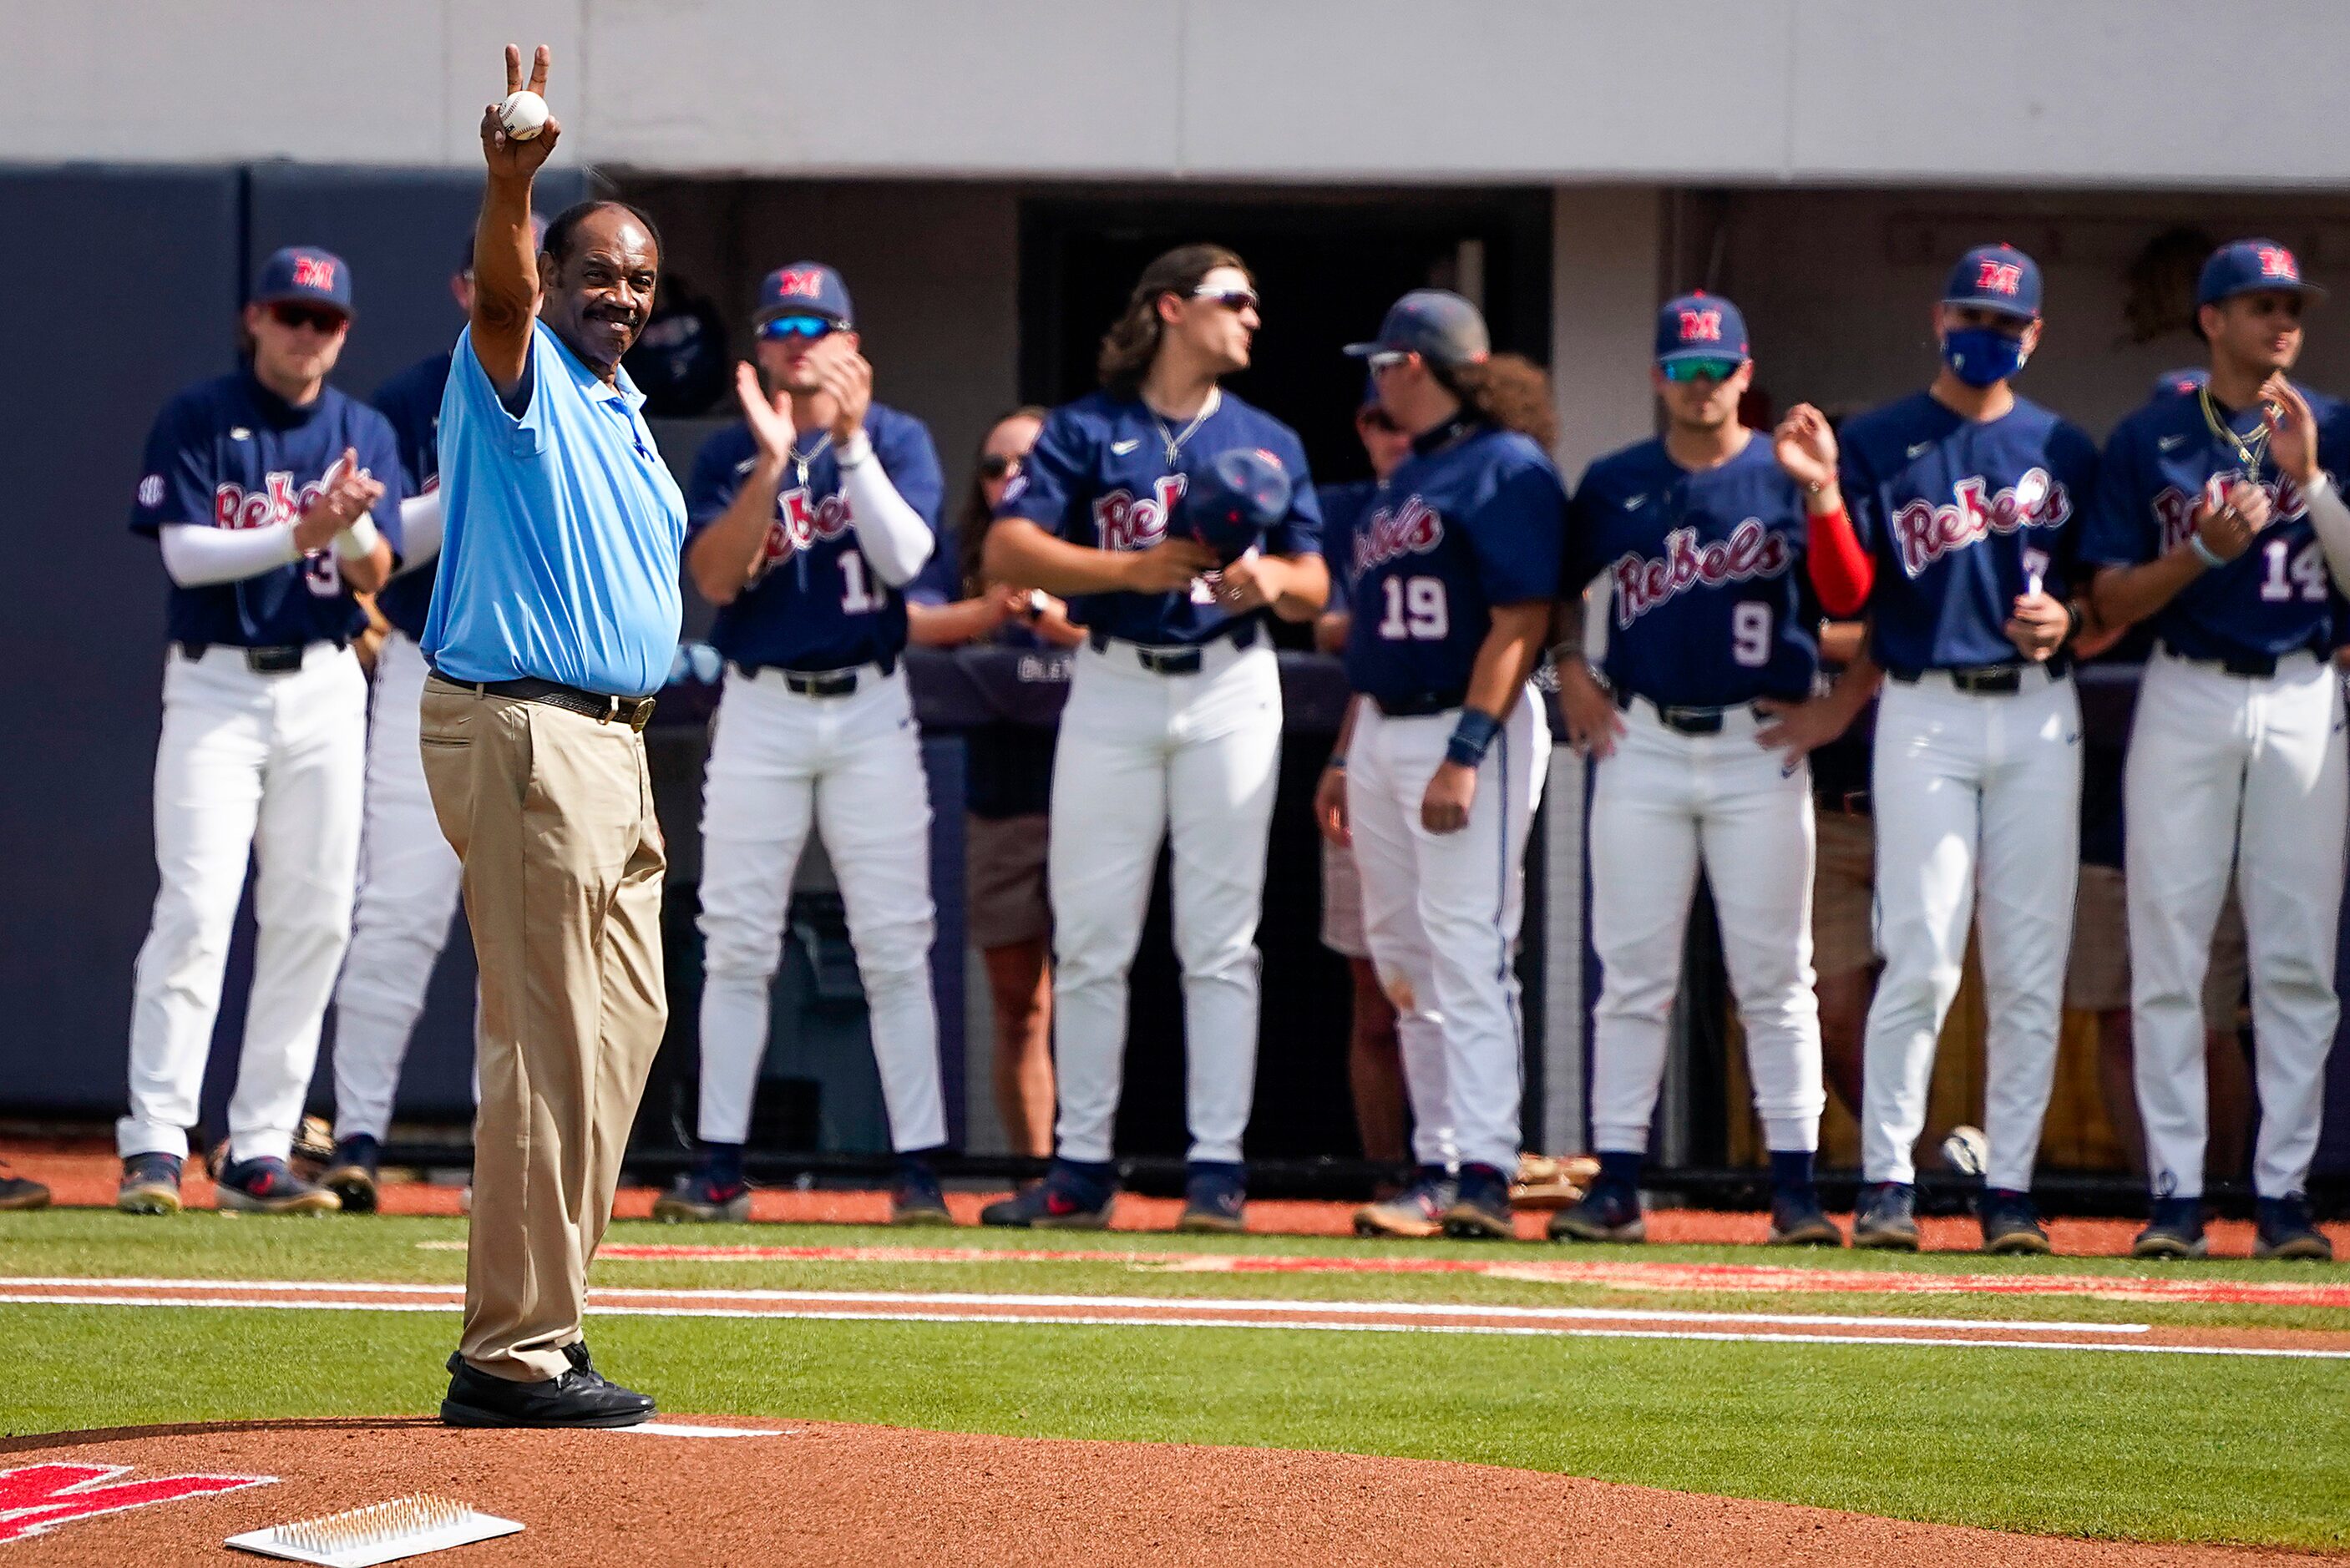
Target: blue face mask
(1981, 356)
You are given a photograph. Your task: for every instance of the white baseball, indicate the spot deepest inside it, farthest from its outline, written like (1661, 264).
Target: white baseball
(524, 115)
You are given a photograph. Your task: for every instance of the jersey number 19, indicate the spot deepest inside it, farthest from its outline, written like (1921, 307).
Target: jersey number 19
(1416, 610)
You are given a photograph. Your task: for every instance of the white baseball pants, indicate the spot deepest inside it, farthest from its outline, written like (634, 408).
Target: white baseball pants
(1146, 758)
(407, 897)
(2232, 769)
(1971, 789)
(266, 767)
(1441, 913)
(851, 767)
(1663, 804)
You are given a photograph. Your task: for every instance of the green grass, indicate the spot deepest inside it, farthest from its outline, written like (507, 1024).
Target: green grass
(2139, 1446)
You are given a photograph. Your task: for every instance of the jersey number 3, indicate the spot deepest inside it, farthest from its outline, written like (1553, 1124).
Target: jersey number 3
(1417, 610)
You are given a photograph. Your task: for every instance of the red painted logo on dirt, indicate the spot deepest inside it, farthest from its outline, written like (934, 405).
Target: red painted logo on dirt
(35, 1499)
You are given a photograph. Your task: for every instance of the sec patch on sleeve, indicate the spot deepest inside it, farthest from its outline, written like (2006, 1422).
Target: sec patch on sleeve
(150, 491)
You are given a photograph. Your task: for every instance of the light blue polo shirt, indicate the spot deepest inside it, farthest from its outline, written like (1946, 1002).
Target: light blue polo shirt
(561, 531)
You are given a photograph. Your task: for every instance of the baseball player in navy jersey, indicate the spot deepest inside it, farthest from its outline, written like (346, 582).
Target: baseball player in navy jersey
(1951, 515)
(273, 497)
(808, 524)
(2207, 524)
(1452, 576)
(1711, 629)
(1172, 729)
(408, 873)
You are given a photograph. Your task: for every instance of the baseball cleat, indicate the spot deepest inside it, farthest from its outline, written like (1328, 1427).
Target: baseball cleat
(268, 1186)
(1067, 1199)
(2010, 1226)
(1552, 1181)
(2176, 1231)
(1610, 1212)
(1416, 1212)
(1480, 1209)
(1215, 1198)
(581, 1396)
(2283, 1229)
(1886, 1218)
(151, 1185)
(19, 1192)
(350, 1174)
(1798, 1221)
(699, 1197)
(915, 1196)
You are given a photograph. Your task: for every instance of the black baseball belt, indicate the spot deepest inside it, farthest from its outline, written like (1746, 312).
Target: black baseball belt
(636, 712)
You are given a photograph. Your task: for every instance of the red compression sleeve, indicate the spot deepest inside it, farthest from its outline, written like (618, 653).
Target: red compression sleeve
(1842, 572)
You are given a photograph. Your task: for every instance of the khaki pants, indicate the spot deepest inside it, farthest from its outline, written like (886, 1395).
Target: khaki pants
(552, 814)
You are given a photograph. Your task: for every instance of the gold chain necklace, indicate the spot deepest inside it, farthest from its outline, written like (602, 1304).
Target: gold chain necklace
(2248, 449)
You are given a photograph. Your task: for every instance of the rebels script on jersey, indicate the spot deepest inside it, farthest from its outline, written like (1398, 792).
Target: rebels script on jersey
(814, 602)
(231, 454)
(1099, 476)
(1708, 606)
(1959, 517)
(1477, 522)
(411, 402)
(2274, 598)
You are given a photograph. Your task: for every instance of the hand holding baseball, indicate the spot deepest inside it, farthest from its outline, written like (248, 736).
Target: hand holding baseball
(510, 154)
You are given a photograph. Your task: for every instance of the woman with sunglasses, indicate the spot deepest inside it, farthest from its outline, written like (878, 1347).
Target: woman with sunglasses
(1441, 754)
(1172, 729)
(811, 524)
(1008, 782)
(1711, 642)
(273, 497)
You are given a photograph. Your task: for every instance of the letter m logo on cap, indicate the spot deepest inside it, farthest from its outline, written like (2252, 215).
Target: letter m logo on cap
(1701, 326)
(805, 282)
(314, 272)
(1998, 276)
(2277, 261)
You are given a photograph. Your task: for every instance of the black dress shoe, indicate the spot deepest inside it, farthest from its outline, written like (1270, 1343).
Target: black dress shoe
(581, 1396)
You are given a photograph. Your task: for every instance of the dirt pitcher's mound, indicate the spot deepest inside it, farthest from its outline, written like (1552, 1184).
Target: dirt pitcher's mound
(825, 1494)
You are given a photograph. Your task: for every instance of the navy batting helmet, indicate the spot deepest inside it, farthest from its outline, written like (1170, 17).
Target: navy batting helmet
(1230, 501)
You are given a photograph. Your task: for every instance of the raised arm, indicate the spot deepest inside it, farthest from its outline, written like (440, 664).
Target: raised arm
(505, 252)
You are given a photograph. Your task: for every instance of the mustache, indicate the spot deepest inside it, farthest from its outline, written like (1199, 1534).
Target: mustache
(619, 315)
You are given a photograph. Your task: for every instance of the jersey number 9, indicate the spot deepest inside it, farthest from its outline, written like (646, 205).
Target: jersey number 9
(1749, 633)
(1416, 610)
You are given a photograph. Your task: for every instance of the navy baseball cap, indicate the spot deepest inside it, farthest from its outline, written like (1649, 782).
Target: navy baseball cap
(1436, 324)
(305, 275)
(1996, 278)
(804, 288)
(2249, 266)
(2186, 378)
(1701, 326)
(1230, 501)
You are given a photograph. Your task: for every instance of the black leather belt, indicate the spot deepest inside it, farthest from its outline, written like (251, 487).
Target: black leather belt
(1420, 704)
(283, 659)
(1178, 660)
(1981, 680)
(1683, 720)
(2256, 666)
(822, 683)
(636, 712)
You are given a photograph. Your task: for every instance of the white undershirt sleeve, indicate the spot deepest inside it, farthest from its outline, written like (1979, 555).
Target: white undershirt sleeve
(2331, 520)
(197, 555)
(891, 533)
(419, 530)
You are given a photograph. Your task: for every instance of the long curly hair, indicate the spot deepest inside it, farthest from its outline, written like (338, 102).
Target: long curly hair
(1132, 342)
(1508, 390)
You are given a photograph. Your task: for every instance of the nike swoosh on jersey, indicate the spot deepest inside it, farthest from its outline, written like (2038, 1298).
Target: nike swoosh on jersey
(2171, 442)
(238, 432)
(1635, 502)
(1920, 450)
(1120, 448)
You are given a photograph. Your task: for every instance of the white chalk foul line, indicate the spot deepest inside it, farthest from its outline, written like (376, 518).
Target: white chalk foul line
(1163, 1311)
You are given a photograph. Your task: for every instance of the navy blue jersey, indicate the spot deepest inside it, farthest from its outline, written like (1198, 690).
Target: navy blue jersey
(2274, 598)
(1101, 475)
(411, 402)
(1708, 606)
(231, 454)
(1479, 521)
(1960, 517)
(814, 602)
(1344, 507)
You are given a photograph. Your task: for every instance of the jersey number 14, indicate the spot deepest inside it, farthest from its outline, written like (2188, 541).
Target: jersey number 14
(2305, 573)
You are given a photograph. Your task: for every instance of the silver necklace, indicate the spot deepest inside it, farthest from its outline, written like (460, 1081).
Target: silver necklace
(800, 464)
(1173, 440)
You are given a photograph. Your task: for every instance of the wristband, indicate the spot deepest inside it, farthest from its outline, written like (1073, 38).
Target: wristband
(859, 448)
(1473, 737)
(2210, 557)
(2072, 622)
(357, 541)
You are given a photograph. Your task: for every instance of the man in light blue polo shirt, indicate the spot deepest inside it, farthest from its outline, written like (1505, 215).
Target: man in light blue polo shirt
(555, 612)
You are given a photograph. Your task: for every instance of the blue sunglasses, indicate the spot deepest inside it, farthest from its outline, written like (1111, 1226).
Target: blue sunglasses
(1702, 369)
(809, 326)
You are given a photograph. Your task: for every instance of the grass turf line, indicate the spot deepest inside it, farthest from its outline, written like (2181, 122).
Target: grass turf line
(2153, 1448)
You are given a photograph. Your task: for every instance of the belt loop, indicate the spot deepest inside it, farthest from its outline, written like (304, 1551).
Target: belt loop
(611, 709)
